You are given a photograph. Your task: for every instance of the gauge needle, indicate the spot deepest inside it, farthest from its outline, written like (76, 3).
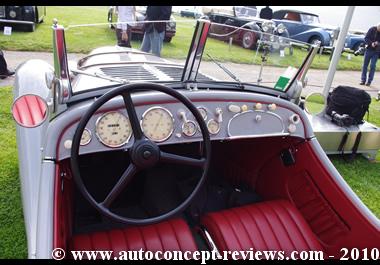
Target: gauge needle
(159, 120)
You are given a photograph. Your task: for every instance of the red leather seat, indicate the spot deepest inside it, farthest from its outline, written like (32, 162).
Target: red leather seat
(273, 225)
(168, 235)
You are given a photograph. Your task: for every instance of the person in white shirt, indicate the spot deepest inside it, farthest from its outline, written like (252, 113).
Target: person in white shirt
(123, 30)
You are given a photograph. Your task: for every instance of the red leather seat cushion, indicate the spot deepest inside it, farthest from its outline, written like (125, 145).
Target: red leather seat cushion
(273, 225)
(169, 235)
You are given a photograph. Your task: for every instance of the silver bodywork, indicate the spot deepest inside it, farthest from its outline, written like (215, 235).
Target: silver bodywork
(41, 147)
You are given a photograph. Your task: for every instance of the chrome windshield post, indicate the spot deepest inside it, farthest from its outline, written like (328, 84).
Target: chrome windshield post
(61, 69)
(196, 50)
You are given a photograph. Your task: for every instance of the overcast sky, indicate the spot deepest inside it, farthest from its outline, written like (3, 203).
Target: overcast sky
(364, 16)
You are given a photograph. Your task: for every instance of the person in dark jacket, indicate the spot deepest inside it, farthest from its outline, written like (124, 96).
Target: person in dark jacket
(4, 71)
(155, 32)
(372, 53)
(266, 13)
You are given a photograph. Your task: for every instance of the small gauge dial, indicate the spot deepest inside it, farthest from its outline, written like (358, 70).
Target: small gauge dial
(213, 126)
(86, 137)
(157, 124)
(189, 128)
(113, 129)
(203, 112)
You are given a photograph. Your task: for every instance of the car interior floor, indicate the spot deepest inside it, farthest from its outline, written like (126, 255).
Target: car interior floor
(242, 172)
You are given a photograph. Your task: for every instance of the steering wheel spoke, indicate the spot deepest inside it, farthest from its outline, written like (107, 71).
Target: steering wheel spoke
(127, 176)
(183, 160)
(135, 123)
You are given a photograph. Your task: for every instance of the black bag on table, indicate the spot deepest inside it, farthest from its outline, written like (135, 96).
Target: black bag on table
(347, 105)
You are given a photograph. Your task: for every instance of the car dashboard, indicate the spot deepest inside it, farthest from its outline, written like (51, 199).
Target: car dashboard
(228, 116)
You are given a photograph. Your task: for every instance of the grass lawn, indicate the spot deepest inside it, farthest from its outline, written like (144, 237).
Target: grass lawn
(362, 175)
(84, 39)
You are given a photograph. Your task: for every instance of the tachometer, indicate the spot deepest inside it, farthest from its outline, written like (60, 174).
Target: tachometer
(113, 129)
(157, 124)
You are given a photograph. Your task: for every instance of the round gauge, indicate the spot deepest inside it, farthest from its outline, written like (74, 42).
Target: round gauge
(86, 137)
(157, 124)
(113, 129)
(203, 112)
(213, 126)
(189, 128)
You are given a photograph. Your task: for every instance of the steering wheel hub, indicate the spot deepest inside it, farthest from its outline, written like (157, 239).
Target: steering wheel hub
(145, 154)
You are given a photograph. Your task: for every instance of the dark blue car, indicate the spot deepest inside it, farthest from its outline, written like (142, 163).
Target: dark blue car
(306, 27)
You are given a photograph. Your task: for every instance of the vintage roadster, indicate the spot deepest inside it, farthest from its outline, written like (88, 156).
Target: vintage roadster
(124, 150)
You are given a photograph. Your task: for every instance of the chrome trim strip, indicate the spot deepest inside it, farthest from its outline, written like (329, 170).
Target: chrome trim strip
(196, 50)
(134, 62)
(17, 21)
(63, 87)
(82, 60)
(210, 242)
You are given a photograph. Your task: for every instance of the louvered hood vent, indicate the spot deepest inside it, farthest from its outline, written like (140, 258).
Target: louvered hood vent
(147, 72)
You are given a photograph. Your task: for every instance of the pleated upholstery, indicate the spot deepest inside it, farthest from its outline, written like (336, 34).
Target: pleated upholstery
(29, 110)
(273, 225)
(169, 235)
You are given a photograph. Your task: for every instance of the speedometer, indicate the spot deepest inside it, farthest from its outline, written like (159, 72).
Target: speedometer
(157, 124)
(113, 129)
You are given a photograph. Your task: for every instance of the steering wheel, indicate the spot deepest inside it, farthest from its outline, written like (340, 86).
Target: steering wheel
(144, 153)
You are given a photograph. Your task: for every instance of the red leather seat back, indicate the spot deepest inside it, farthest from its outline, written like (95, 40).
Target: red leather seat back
(274, 225)
(169, 235)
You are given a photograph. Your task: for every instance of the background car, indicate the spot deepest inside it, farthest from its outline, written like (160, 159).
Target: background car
(246, 17)
(191, 13)
(28, 16)
(306, 27)
(137, 29)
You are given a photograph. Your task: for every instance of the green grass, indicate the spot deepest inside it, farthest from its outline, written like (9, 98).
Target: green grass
(12, 231)
(363, 177)
(84, 39)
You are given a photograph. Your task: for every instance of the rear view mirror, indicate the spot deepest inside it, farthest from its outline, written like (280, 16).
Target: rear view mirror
(315, 103)
(29, 111)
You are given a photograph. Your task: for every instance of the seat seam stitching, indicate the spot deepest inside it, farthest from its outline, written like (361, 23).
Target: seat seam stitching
(291, 216)
(175, 235)
(270, 225)
(245, 228)
(282, 224)
(159, 237)
(233, 230)
(257, 226)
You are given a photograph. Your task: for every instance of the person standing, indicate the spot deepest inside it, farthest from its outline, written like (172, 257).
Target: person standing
(372, 53)
(123, 29)
(266, 13)
(154, 33)
(4, 71)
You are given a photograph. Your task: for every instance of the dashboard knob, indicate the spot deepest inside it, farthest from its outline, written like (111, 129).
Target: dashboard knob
(244, 108)
(219, 114)
(258, 106)
(292, 128)
(295, 118)
(234, 108)
(67, 144)
(272, 107)
(182, 115)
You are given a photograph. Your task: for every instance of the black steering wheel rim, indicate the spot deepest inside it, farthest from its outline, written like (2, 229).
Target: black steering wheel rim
(125, 91)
